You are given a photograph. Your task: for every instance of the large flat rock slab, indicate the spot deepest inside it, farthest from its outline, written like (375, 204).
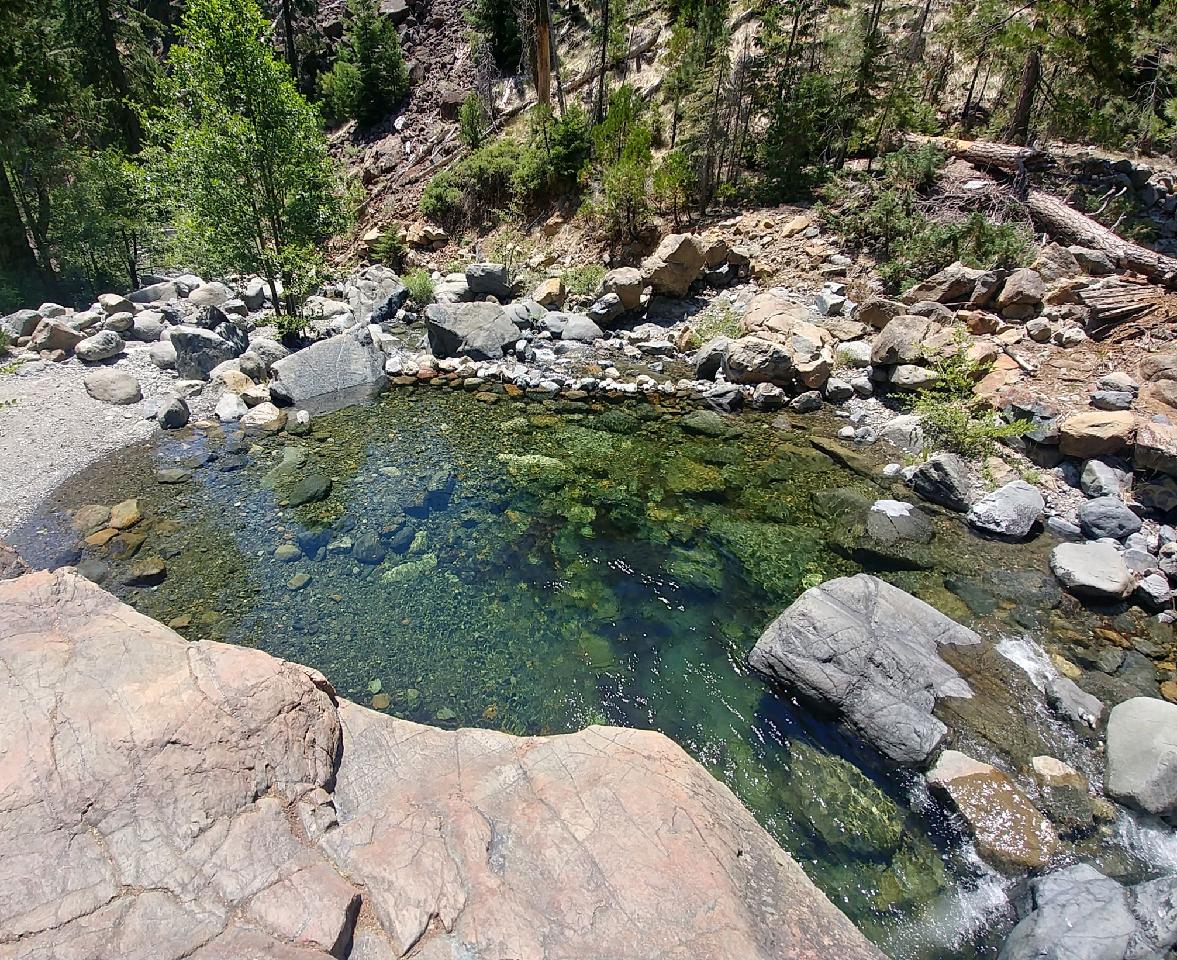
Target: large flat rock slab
(167, 799)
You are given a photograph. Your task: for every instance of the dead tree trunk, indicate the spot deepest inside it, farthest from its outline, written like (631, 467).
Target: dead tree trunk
(985, 153)
(1019, 123)
(543, 54)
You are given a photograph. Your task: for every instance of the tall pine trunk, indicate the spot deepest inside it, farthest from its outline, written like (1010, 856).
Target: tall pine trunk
(16, 256)
(1019, 123)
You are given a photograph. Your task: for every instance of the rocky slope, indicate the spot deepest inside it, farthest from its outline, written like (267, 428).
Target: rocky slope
(164, 799)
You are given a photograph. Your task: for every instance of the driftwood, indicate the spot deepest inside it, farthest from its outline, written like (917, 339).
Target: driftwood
(1113, 303)
(1052, 215)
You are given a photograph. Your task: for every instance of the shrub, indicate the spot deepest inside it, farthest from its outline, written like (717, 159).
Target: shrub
(339, 90)
(954, 418)
(583, 281)
(884, 218)
(420, 286)
(473, 121)
(717, 320)
(5, 340)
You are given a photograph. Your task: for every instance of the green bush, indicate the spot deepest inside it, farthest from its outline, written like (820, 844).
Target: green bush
(718, 320)
(883, 217)
(473, 121)
(339, 91)
(420, 286)
(583, 281)
(954, 418)
(5, 340)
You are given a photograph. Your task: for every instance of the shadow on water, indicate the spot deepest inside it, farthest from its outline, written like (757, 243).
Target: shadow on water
(536, 568)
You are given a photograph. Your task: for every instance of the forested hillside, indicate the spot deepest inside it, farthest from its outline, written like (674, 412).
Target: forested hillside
(139, 134)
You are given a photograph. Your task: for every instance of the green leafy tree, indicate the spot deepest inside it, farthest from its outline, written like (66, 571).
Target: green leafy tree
(497, 22)
(473, 121)
(253, 187)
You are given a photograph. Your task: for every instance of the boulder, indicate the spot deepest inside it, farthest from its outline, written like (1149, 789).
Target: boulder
(388, 303)
(280, 803)
(892, 521)
(210, 295)
(952, 285)
(1100, 479)
(344, 362)
(489, 278)
(708, 359)
(1142, 755)
(113, 303)
(1107, 517)
(199, 351)
(55, 335)
(230, 408)
(627, 283)
(22, 323)
(173, 413)
(1023, 287)
(264, 418)
(119, 322)
(903, 340)
(943, 479)
(1156, 447)
(255, 293)
(1094, 570)
(267, 351)
(148, 327)
(1095, 262)
(757, 360)
(156, 293)
(605, 309)
(570, 326)
(1011, 511)
(673, 267)
(1009, 831)
(877, 312)
(1079, 914)
(1096, 433)
(869, 652)
(101, 346)
(163, 355)
(480, 331)
(113, 386)
(550, 293)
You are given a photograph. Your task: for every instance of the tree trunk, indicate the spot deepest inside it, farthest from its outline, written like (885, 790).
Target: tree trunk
(600, 107)
(288, 31)
(15, 253)
(986, 153)
(128, 119)
(543, 52)
(968, 100)
(1019, 123)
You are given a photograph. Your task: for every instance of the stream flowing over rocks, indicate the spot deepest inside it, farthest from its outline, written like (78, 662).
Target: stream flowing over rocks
(172, 799)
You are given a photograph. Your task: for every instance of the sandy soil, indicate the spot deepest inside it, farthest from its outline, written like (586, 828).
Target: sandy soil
(50, 428)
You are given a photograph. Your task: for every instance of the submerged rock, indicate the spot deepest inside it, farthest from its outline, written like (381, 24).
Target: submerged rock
(868, 651)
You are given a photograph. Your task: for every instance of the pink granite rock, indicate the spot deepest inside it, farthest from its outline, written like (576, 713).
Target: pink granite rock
(166, 799)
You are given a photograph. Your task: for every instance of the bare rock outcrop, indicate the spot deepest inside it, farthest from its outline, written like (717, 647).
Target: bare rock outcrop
(167, 799)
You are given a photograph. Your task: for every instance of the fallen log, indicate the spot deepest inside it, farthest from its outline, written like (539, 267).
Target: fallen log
(1050, 214)
(984, 153)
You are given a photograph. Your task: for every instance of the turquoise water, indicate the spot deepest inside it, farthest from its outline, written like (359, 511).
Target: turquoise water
(538, 567)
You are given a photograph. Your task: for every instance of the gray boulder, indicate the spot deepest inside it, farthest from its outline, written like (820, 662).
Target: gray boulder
(113, 386)
(607, 308)
(148, 326)
(173, 414)
(163, 355)
(944, 479)
(1079, 914)
(869, 652)
(385, 308)
(489, 278)
(343, 362)
(101, 346)
(627, 283)
(199, 351)
(155, 293)
(1010, 511)
(708, 359)
(481, 331)
(1094, 570)
(757, 360)
(22, 323)
(1107, 517)
(1023, 287)
(1095, 262)
(902, 340)
(675, 265)
(1100, 479)
(572, 326)
(1142, 755)
(211, 294)
(267, 351)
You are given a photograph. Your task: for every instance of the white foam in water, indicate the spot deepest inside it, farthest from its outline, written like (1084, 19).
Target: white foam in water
(1151, 843)
(1030, 657)
(960, 915)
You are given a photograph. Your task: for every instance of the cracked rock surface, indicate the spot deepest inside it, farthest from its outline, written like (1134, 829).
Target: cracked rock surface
(166, 799)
